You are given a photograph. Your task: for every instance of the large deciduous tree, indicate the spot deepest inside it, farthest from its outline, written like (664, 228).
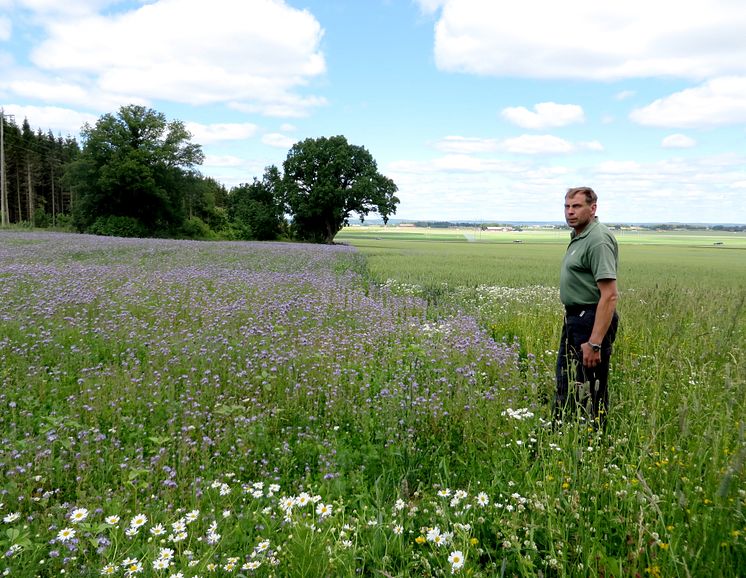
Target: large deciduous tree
(326, 180)
(133, 166)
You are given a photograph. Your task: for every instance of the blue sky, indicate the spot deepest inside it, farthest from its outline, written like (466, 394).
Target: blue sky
(477, 109)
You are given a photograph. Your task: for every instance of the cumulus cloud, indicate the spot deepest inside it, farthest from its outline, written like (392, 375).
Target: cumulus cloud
(475, 189)
(53, 9)
(592, 40)
(278, 140)
(455, 163)
(430, 6)
(624, 94)
(678, 141)
(531, 144)
(223, 161)
(260, 54)
(6, 29)
(219, 132)
(719, 101)
(460, 163)
(462, 144)
(544, 115)
(591, 145)
(629, 191)
(288, 105)
(59, 91)
(618, 167)
(59, 120)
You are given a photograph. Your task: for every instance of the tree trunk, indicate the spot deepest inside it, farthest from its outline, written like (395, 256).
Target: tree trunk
(19, 217)
(54, 212)
(3, 190)
(30, 194)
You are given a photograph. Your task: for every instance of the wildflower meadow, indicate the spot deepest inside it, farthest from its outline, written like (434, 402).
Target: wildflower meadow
(186, 409)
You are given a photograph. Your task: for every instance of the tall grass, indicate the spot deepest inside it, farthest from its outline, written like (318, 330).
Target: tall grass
(678, 383)
(214, 409)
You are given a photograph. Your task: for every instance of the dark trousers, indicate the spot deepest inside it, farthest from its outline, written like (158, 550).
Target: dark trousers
(581, 388)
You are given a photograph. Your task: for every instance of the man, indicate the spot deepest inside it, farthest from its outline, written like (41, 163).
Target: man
(588, 291)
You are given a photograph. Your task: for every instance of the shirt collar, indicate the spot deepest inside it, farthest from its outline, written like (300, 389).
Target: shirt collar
(588, 227)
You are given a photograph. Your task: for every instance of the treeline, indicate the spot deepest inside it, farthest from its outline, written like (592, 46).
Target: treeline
(730, 228)
(693, 227)
(135, 175)
(434, 224)
(35, 163)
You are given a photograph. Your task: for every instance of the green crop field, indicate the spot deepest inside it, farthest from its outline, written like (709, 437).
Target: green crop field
(380, 407)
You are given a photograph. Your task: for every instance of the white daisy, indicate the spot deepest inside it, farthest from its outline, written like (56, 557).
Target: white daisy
(78, 515)
(65, 534)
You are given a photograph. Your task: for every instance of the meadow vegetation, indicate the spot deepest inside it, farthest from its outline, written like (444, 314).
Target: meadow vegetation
(374, 408)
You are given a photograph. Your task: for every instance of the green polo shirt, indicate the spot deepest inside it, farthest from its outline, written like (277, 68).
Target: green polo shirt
(591, 256)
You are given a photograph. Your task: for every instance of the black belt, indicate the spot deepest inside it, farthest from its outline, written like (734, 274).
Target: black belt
(578, 309)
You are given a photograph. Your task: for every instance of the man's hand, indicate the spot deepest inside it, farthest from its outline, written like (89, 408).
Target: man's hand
(590, 358)
(604, 313)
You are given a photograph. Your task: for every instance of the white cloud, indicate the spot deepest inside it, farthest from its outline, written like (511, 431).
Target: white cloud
(479, 189)
(592, 40)
(260, 54)
(283, 106)
(719, 101)
(60, 91)
(661, 190)
(211, 133)
(278, 140)
(455, 163)
(460, 163)
(462, 144)
(230, 161)
(53, 9)
(592, 145)
(678, 141)
(531, 144)
(618, 167)
(59, 120)
(544, 115)
(624, 94)
(6, 29)
(629, 191)
(430, 6)
(37, 86)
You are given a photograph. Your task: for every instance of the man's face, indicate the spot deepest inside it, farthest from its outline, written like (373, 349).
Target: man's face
(578, 213)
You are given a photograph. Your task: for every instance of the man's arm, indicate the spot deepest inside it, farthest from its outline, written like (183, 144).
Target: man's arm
(604, 314)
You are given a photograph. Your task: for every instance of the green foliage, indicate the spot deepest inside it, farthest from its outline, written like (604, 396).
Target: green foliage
(255, 209)
(204, 197)
(327, 179)
(117, 226)
(41, 219)
(133, 165)
(196, 228)
(64, 222)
